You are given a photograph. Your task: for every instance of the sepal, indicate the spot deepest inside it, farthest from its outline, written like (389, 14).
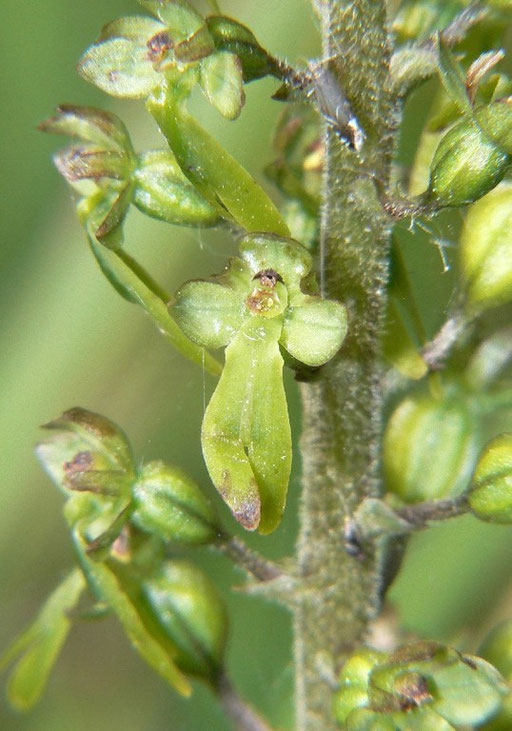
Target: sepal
(230, 35)
(222, 82)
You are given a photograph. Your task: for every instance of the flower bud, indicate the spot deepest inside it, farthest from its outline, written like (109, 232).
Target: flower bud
(467, 164)
(162, 191)
(186, 607)
(486, 250)
(419, 686)
(496, 121)
(169, 504)
(87, 453)
(429, 447)
(490, 497)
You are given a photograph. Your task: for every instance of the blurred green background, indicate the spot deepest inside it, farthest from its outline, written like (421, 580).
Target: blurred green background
(68, 339)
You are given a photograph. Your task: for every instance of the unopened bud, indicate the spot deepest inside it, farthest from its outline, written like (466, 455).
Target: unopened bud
(486, 250)
(187, 608)
(429, 447)
(467, 164)
(86, 453)
(490, 497)
(169, 504)
(162, 191)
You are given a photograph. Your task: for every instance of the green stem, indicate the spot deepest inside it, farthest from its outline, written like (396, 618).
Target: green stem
(421, 514)
(244, 557)
(241, 713)
(342, 409)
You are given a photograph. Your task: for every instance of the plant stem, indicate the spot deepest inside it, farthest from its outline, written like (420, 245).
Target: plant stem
(241, 713)
(250, 561)
(421, 514)
(340, 444)
(435, 352)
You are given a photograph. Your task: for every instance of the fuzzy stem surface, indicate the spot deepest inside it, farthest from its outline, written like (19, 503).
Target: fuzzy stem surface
(339, 593)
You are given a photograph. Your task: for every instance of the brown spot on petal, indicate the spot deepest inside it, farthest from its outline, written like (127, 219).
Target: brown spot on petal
(414, 691)
(158, 45)
(81, 462)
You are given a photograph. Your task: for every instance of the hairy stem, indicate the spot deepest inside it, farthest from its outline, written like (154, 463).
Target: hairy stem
(339, 593)
(250, 561)
(421, 514)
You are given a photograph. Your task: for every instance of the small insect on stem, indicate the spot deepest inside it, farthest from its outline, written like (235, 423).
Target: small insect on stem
(335, 107)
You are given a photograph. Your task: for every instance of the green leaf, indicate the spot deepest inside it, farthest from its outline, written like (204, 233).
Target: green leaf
(194, 48)
(314, 329)
(120, 270)
(222, 82)
(109, 589)
(40, 644)
(136, 27)
(120, 67)
(246, 433)
(453, 78)
(208, 164)
(91, 125)
(208, 313)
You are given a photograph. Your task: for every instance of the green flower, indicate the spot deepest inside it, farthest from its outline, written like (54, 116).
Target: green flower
(107, 173)
(257, 309)
(421, 686)
(135, 55)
